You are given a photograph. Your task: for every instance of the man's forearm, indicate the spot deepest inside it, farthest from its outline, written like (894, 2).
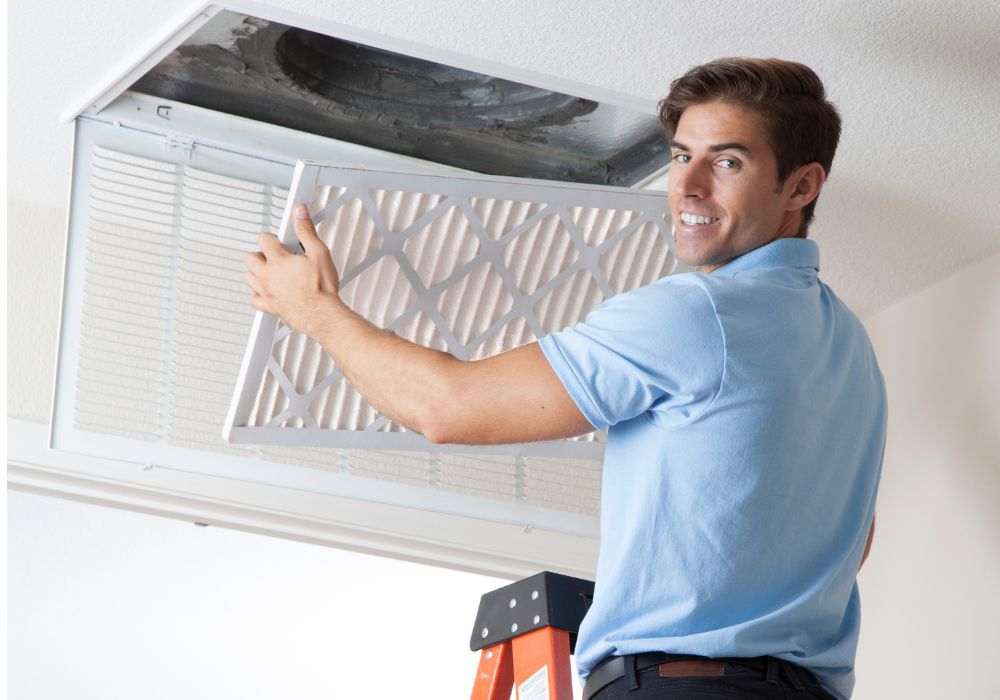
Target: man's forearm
(408, 383)
(511, 397)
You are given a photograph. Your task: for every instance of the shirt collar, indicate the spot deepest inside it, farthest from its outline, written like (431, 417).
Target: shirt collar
(784, 252)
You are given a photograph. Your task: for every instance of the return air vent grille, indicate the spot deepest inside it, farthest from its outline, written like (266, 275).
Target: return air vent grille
(156, 320)
(164, 306)
(471, 265)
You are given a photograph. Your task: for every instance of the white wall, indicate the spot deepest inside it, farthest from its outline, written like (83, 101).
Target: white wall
(113, 605)
(930, 589)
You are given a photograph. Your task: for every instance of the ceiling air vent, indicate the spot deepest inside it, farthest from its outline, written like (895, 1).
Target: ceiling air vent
(347, 90)
(174, 177)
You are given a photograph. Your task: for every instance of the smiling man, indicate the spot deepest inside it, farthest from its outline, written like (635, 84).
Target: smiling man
(744, 406)
(726, 194)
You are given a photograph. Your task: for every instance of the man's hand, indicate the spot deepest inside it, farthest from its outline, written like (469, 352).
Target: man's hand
(296, 288)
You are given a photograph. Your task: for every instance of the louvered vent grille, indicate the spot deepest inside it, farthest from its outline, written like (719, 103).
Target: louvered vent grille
(165, 309)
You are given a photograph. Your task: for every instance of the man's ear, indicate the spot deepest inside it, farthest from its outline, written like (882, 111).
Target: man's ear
(803, 185)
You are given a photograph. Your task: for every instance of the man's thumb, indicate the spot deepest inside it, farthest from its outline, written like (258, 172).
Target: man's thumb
(305, 230)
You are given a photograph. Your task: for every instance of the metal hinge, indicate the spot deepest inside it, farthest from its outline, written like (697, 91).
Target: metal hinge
(173, 142)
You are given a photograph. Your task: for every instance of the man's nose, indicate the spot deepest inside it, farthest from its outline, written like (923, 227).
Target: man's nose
(690, 180)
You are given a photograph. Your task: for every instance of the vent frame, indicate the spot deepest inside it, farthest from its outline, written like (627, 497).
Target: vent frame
(139, 131)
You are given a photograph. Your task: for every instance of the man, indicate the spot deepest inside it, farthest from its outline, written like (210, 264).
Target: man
(745, 408)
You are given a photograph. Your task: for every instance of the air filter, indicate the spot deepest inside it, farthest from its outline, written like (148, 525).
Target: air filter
(468, 264)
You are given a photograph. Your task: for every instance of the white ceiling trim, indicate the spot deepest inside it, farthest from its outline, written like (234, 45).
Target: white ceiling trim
(455, 542)
(145, 57)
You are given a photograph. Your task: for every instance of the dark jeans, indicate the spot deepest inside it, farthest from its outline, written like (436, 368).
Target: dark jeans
(765, 679)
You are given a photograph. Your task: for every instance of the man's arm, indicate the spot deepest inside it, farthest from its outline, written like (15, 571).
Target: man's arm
(512, 397)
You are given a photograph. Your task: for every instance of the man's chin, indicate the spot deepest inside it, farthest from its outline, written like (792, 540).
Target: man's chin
(694, 258)
(703, 262)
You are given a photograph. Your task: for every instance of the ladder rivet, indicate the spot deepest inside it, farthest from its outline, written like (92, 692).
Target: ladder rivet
(534, 595)
(537, 618)
(486, 631)
(513, 628)
(513, 602)
(489, 655)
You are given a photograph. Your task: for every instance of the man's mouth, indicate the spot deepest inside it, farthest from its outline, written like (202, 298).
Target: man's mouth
(694, 219)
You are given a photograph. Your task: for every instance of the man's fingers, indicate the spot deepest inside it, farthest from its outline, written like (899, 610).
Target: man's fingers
(271, 246)
(254, 261)
(306, 231)
(251, 281)
(260, 303)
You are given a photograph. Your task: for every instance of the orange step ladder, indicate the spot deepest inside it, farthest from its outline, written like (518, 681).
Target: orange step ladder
(526, 632)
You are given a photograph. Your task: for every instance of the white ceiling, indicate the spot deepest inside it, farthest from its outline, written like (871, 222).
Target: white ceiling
(910, 195)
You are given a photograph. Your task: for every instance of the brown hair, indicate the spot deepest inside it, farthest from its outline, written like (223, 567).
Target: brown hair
(800, 124)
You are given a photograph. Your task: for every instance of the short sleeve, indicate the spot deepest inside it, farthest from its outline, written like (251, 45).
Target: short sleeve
(659, 348)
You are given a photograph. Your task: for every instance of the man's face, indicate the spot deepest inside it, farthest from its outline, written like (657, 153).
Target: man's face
(723, 172)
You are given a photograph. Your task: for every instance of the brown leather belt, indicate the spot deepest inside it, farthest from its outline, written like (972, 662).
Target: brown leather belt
(673, 666)
(613, 668)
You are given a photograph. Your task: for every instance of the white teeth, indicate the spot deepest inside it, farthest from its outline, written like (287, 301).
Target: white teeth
(693, 219)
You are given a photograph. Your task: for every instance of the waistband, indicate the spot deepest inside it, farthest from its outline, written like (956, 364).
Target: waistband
(615, 668)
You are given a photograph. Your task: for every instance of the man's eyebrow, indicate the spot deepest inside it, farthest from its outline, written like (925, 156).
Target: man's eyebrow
(734, 146)
(717, 148)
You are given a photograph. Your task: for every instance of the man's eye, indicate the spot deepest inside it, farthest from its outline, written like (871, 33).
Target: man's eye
(682, 157)
(729, 163)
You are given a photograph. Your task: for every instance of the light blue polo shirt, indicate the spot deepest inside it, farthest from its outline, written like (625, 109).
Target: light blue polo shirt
(747, 422)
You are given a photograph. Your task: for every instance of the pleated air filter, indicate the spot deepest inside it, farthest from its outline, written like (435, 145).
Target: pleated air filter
(470, 265)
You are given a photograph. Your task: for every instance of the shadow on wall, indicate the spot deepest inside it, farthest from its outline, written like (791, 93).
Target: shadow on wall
(967, 358)
(938, 351)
